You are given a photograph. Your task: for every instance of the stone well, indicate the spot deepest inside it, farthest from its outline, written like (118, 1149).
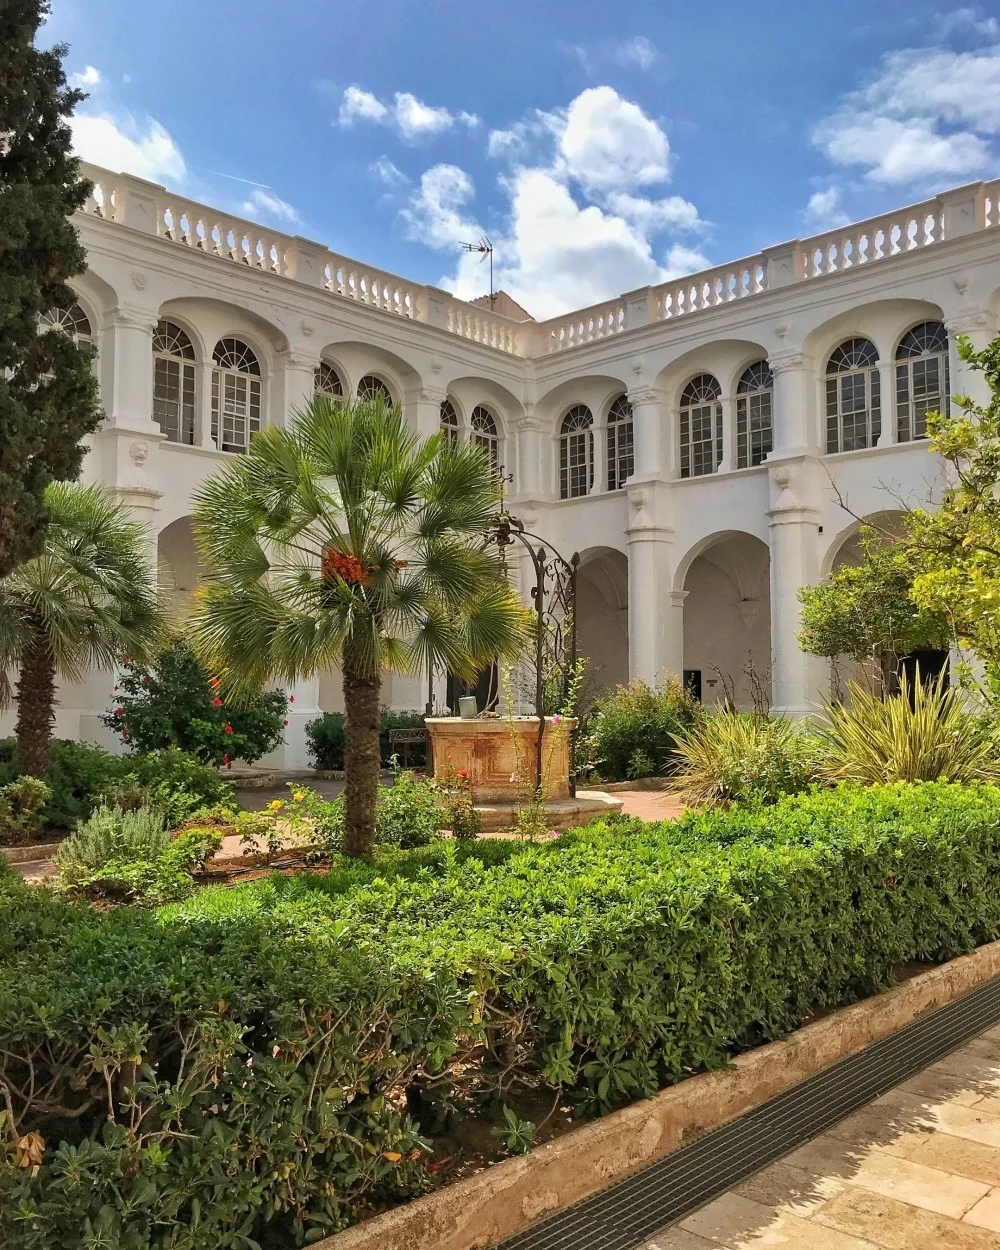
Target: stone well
(485, 748)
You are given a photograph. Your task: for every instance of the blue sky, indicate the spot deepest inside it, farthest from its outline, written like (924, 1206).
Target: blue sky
(602, 146)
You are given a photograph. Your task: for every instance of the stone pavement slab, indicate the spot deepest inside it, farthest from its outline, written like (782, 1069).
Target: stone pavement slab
(917, 1169)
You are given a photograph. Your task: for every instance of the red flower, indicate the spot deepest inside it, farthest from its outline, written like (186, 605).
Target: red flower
(216, 702)
(225, 759)
(116, 687)
(464, 774)
(145, 679)
(284, 722)
(126, 658)
(119, 711)
(291, 698)
(230, 767)
(229, 729)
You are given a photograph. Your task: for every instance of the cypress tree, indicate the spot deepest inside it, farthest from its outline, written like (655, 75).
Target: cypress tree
(48, 392)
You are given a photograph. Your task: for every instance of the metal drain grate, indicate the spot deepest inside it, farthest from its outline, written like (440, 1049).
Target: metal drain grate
(624, 1215)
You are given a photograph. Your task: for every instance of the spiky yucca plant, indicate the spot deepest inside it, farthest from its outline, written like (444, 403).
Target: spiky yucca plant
(728, 757)
(345, 539)
(924, 733)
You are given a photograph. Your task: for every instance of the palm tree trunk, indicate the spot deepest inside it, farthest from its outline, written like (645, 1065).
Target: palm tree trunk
(36, 702)
(361, 754)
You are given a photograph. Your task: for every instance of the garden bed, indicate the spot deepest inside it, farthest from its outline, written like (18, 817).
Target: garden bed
(483, 1210)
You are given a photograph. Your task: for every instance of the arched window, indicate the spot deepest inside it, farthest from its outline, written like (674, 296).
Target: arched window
(576, 453)
(921, 378)
(754, 415)
(72, 321)
(485, 435)
(449, 422)
(236, 395)
(701, 426)
(173, 383)
(853, 401)
(326, 380)
(371, 387)
(621, 447)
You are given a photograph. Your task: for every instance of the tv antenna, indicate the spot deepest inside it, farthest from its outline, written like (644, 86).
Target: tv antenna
(486, 248)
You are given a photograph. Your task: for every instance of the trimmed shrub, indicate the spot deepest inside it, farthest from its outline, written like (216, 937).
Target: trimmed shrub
(176, 703)
(325, 737)
(22, 803)
(632, 732)
(252, 1042)
(111, 833)
(80, 777)
(922, 734)
(739, 757)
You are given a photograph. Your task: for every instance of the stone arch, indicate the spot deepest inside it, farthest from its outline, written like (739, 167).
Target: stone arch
(178, 567)
(602, 618)
(725, 579)
(355, 360)
(844, 548)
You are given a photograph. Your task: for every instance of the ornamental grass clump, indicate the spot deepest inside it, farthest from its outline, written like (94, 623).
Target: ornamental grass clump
(925, 733)
(740, 757)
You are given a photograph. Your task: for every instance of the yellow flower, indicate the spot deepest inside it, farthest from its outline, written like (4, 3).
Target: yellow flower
(275, 805)
(299, 795)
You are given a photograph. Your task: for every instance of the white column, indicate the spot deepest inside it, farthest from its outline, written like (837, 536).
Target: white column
(976, 326)
(887, 403)
(796, 424)
(600, 435)
(298, 375)
(130, 402)
(528, 458)
(203, 409)
(797, 680)
(303, 706)
(648, 436)
(728, 461)
(654, 638)
(423, 411)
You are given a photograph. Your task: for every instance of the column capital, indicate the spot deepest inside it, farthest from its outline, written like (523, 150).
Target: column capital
(787, 361)
(968, 321)
(427, 395)
(129, 317)
(643, 395)
(527, 425)
(298, 358)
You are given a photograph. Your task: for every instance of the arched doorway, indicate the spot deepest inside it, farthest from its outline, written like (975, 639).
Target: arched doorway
(178, 569)
(727, 622)
(602, 619)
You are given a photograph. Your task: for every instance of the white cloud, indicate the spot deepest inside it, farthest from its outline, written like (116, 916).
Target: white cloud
(388, 173)
(967, 21)
(683, 260)
(358, 105)
(90, 77)
(671, 213)
(824, 212)
(610, 142)
(263, 205)
(433, 216)
(122, 143)
(927, 113)
(638, 51)
(409, 116)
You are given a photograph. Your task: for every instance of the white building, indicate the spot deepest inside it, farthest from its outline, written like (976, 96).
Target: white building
(688, 439)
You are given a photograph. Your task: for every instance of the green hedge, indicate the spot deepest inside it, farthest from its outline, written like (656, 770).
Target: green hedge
(325, 736)
(611, 962)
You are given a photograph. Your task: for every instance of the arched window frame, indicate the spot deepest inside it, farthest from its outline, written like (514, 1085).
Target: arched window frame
(327, 380)
(620, 442)
(922, 378)
(72, 321)
(174, 382)
(853, 396)
(701, 426)
(484, 433)
(576, 453)
(371, 385)
(754, 415)
(237, 394)
(448, 422)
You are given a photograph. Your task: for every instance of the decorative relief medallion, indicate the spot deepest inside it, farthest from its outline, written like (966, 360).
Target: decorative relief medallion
(139, 279)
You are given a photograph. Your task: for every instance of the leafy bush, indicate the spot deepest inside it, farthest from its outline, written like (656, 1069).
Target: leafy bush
(922, 734)
(165, 876)
(325, 737)
(733, 757)
(632, 732)
(410, 812)
(22, 805)
(223, 1032)
(80, 777)
(175, 703)
(111, 833)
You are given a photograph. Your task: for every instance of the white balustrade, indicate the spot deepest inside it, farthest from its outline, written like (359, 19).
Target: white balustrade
(145, 206)
(602, 321)
(710, 289)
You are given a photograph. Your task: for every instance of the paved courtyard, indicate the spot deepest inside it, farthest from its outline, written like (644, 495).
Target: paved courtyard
(919, 1169)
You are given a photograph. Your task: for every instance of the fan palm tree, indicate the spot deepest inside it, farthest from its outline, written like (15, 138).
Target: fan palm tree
(346, 539)
(86, 601)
